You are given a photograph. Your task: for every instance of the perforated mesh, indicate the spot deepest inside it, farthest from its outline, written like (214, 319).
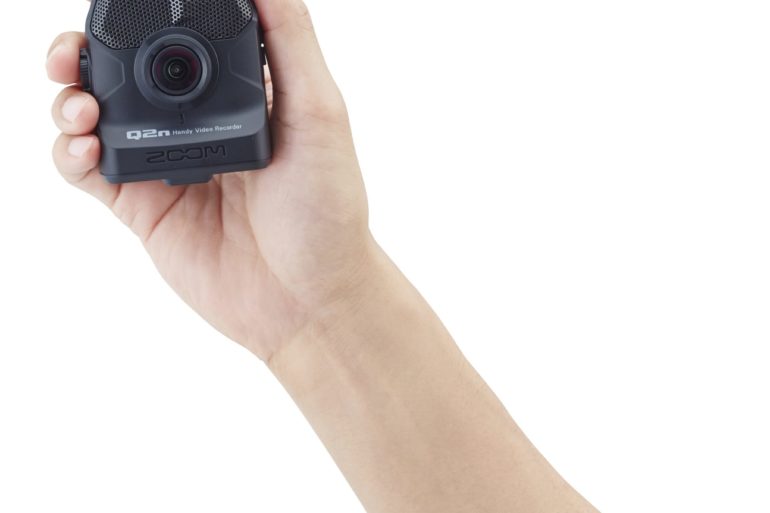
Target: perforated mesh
(122, 24)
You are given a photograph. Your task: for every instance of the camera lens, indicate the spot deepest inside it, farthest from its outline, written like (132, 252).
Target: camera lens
(176, 70)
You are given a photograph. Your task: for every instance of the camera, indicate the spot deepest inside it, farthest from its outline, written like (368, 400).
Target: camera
(180, 86)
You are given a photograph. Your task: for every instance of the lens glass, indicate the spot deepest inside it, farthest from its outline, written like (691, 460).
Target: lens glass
(176, 70)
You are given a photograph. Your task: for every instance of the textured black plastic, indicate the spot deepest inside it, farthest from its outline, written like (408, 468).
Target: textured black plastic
(223, 130)
(124, 24)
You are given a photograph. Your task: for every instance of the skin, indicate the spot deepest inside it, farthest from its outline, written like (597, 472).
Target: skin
(282, 261)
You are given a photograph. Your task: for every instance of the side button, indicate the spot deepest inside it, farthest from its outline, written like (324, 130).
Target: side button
(261, 41)
(263, 53)
(85, 70)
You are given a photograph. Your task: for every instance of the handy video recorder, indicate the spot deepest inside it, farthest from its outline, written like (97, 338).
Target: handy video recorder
(181, 88)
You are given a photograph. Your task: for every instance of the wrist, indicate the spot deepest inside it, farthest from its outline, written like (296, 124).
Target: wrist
(368, 326)
(391, 396)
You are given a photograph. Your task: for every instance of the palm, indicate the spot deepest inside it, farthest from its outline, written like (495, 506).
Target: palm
(254, 253)
(253, 250)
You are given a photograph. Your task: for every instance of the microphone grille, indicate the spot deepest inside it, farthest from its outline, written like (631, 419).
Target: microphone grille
(125, 24)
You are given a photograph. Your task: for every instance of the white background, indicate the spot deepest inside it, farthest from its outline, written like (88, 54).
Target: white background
(580, 189)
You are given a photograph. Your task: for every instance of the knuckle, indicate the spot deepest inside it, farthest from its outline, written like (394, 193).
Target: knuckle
(300, 13)
(329, 107)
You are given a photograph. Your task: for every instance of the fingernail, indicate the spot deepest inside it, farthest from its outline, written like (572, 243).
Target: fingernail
(73, 107)
(56, 49)
(79, 146)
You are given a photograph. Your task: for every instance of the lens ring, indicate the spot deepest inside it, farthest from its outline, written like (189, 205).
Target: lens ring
(150, 81)
(176, 70)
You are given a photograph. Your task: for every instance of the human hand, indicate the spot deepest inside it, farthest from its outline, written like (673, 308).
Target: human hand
(282, 261)
(260, 255)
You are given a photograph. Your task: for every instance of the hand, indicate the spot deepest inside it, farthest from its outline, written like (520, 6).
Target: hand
(259, 255)
(285, 255)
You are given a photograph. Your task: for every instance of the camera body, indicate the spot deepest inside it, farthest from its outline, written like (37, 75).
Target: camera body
(181, 88)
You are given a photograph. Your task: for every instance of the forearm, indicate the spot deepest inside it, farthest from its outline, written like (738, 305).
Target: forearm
(409, 422)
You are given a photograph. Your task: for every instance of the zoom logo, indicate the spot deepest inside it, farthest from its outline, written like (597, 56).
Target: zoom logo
(179, 155)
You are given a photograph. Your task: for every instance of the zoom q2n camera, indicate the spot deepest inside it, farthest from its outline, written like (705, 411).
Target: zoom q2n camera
(181, 88)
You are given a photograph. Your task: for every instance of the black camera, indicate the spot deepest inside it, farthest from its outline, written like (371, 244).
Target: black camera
(181, 88)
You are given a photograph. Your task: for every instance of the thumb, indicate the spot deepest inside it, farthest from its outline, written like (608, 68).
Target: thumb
(297, 66)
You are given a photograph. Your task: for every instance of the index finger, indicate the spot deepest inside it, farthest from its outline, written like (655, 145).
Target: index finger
(63, 64)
